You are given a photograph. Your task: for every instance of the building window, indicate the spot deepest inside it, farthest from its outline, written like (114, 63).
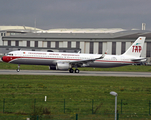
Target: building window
(28, 43)
(123, 47)
(48, 44)
(148, 50)
(9, 43)
(100, 48)
(36, 43)
(57, 44)
(91, 48)
(2, 34)
(16, 43)
(113, 48)
(77, 44)
(69, 44)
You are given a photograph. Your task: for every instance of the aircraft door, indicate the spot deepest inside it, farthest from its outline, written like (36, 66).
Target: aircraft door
(122, 59)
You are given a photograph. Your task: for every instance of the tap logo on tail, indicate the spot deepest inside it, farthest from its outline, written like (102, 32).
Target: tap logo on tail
(136, 48)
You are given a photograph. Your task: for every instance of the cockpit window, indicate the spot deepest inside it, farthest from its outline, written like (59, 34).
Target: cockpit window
(9, 54)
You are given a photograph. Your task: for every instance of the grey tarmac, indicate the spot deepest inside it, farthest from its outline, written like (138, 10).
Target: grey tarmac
(82, 73)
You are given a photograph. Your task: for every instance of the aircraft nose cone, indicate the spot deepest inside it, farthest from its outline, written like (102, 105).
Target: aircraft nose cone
(5, 59)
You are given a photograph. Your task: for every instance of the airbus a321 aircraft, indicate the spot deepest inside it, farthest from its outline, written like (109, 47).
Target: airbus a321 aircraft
(68, 61)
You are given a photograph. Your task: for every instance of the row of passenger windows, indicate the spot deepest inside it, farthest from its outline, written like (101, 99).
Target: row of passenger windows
(64, 57)
(57, 57)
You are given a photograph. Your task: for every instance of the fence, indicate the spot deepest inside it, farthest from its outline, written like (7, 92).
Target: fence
(69, 108)
(77, 117)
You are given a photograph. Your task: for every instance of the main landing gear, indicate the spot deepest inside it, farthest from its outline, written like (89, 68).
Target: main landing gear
(18, 68)
(76, 70)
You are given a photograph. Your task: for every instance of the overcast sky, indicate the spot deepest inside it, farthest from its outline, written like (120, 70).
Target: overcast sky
(126, 14)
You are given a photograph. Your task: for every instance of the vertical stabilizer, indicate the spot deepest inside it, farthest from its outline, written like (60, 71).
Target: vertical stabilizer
(136, 48)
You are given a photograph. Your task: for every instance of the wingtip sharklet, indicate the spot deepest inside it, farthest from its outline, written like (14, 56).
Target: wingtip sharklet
(102, 56)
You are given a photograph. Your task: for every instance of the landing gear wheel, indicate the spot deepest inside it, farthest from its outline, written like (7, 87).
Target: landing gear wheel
(76, 70)
(71, 70)
(18, 68)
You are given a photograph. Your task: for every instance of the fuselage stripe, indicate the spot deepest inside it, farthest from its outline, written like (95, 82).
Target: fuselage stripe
(13, 58)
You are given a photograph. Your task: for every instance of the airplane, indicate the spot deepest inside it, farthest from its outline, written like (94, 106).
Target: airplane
(68, 61)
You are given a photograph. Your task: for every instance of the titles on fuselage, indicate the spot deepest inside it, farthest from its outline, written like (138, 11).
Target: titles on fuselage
(38, 53)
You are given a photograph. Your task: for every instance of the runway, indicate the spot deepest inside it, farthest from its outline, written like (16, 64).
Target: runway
(82, 73)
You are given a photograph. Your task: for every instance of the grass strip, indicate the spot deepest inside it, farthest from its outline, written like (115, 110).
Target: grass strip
(130, 68)
(23, 94)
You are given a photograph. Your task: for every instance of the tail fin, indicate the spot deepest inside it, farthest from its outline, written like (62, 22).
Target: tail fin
(136, 48)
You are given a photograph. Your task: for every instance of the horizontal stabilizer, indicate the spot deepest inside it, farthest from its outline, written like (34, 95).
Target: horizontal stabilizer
(138, 60)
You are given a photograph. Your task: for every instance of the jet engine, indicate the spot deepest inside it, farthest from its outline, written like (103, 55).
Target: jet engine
(63, 66)
(60, 66)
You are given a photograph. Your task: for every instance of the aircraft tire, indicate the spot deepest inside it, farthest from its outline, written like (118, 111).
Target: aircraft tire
(71, 70)
(76, 70)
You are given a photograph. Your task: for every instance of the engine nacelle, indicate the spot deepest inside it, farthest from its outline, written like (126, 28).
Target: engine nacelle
(63, 66)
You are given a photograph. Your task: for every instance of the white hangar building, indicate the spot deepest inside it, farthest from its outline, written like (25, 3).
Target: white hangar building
(91, 41)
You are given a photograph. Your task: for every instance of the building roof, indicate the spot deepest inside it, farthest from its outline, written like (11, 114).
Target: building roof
(118, 35)
(5, 28)
(82, 30)
(61, 30)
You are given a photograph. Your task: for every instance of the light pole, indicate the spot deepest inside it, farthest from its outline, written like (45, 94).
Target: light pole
(115, 94)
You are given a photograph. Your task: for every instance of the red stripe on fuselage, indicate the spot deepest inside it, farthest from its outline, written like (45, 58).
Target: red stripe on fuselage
(12, 58)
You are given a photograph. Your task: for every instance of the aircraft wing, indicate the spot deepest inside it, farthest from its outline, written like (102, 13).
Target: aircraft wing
(80, 62)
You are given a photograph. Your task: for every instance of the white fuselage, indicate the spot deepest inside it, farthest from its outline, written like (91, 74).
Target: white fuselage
(51, 58)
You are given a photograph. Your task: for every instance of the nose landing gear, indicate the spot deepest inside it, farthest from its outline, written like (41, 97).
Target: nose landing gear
(18, 68)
